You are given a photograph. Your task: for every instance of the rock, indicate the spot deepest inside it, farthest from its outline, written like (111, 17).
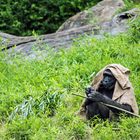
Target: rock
(122, 17)
(55, 40)
(119, 22)
(98, 14)
(10, 40)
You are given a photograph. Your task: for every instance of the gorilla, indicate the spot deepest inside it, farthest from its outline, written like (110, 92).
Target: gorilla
(103, 94)
(110, 86)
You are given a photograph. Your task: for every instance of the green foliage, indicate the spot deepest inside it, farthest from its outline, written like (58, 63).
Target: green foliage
(134, 31)
(47, 103)
(22, 17)
(129, 4)
(65, 72)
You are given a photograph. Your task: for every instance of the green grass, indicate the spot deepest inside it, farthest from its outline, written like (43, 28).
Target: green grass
(61, 74)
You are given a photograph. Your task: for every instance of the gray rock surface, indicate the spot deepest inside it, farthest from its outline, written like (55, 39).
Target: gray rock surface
(102, 12)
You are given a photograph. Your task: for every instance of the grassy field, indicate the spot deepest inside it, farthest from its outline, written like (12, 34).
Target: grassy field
(36, 101)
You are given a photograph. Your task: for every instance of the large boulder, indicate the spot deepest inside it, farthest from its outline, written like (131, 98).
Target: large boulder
(102, 12)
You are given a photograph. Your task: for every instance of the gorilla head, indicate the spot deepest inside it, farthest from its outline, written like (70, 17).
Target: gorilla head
(108, 81)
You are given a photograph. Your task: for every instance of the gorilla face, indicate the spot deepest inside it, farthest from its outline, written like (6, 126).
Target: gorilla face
(108, 81)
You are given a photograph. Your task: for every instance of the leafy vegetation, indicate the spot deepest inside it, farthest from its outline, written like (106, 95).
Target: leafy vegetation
(22, 17)
(36, 100)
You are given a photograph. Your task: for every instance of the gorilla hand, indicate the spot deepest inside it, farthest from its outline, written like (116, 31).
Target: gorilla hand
(89, 90)
(96, 97)
(92, 96)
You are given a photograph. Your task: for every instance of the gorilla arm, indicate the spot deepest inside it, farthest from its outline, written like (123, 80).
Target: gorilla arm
(98, 97)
